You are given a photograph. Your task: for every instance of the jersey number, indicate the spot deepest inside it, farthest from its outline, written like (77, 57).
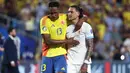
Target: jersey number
(43, 67)
(59, 31)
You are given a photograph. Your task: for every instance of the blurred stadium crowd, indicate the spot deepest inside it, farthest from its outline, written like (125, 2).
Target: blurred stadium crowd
(110, 20)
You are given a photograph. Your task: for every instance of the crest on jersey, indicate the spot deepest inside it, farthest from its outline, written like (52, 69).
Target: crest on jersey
(62, 22)
(91, 31)
(44, 28)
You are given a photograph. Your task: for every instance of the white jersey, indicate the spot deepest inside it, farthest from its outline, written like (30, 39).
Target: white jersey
(77, 53)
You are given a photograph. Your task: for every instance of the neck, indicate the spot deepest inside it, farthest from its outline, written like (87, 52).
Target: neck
(75, 20)
(11, 37)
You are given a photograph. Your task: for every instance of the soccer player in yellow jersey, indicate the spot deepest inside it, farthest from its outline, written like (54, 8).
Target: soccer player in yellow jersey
(53, 30)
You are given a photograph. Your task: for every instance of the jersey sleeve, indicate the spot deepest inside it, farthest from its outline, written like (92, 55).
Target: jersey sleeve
(88, 31)
(43, 26)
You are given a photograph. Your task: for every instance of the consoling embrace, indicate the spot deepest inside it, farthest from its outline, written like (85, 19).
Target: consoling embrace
(66, 32)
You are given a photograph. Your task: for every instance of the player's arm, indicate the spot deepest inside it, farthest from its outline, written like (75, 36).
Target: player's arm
(89, 40)
(88, 56)
(69, 34)
(50, 41)
(81, 20)
(89, 45)
(46, 35)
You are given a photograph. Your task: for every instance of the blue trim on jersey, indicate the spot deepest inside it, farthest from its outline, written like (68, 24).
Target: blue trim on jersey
(90, 37)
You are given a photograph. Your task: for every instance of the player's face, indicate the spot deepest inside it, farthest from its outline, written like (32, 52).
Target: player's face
(54, 14)
(13, 32)
(72, 13)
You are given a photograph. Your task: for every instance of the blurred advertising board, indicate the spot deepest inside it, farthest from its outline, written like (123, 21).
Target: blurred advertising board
(97, 67)
(110, 67)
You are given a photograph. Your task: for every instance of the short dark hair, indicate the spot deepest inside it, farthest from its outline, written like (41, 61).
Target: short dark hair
(54, 4)
(10, 29)
(80, 10)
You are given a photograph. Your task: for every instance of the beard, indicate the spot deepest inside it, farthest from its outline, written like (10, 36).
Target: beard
(14, 35)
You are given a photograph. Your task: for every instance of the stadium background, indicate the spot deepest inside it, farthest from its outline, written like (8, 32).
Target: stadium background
(110, 20)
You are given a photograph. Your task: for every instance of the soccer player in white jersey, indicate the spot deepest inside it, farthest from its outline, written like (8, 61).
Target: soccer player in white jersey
(79, 55)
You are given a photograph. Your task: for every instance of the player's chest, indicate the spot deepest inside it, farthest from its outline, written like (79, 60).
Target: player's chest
(57, 23)
(80, 34)
(58, 26)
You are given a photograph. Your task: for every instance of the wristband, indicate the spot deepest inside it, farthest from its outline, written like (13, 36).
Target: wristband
(88, 62)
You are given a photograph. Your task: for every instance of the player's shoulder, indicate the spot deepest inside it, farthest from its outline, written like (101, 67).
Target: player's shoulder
(44, 18)
(85, 24)
(71, 26)
(62, 15)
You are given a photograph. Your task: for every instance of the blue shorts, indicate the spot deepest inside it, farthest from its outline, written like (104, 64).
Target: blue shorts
(54, 64)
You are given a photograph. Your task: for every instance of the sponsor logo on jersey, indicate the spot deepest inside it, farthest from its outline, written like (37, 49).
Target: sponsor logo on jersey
(52, 25)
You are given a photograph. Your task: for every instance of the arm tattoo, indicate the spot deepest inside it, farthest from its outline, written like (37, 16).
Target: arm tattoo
(89, 44)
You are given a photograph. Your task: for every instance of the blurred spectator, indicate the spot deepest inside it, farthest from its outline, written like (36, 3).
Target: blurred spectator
(1, 49)
(28, 18)
(116, 37)
(64, 6)
(100, 48)
(126, 44)
(10, 59)
(125, 31)
(88, 5)
(109, 20)
(119, 1)
(10, 6)
(117, 55)
(41, 10)
(126, 49)
(107, 37)
(126, 14)
(117, 21)
(2, 10)
(26, 12)
(28, 57)
(1, 45)
(101, 28)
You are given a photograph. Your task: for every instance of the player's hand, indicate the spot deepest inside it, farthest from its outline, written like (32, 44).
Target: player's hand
(1, 49)
(88, 58)
(72, 41)
(80, 22)
(12, 63)
(78, 25)
(84, 68)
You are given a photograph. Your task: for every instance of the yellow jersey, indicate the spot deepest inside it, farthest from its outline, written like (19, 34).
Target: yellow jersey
(57, 31)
